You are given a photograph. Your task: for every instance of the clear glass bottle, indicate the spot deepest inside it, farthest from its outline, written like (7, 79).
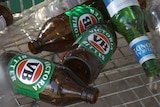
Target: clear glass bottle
(36, 16)
(64, 29)
(152, 17)
(31, 20)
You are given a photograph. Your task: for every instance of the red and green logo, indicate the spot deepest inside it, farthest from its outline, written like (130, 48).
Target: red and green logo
(100, 42)
(29, 71)
(86, 20)
(81, 17)
(30, 75)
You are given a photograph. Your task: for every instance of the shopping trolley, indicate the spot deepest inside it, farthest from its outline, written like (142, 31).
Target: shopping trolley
(122, 82)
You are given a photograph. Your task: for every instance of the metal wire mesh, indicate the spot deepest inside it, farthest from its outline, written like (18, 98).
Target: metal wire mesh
(122, 82)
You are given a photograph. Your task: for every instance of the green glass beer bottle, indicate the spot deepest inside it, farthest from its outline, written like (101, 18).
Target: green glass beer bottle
(128, 19)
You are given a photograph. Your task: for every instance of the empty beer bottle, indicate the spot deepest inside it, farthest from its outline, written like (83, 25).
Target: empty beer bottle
(44, 80)
(28, 23)
(38, 14)
(94, 50)
(6, 17)
(128, 19)
(59, 33)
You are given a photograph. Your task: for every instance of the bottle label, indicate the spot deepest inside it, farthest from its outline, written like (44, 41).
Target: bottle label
(29, 75)
(81, 17)
(114, 6)
(98, 41)
(142, 49)
(2, 22)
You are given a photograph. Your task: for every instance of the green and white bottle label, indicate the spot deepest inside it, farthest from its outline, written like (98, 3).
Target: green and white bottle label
(114, 6)
(99, 41)
(3, 23)
(29, 75)
(142, 49)
(81, 17)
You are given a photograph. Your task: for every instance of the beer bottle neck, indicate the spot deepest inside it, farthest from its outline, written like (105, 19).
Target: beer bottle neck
(35, 46)
(88, 94)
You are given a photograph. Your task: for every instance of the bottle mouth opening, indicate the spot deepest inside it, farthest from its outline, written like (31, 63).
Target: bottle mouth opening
(34, 47)
(93, 95)
(80, 67)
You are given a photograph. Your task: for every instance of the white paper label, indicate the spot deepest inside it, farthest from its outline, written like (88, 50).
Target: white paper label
(114, 6)
(142, 49)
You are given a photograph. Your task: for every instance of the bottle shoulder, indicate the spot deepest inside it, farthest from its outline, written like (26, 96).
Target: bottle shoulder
(54, 27)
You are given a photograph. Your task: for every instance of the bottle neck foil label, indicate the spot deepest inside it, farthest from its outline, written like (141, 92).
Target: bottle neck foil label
(3, 23)
(99, 42)
(29, 75)
(114, 6)
(81, 17)
(142, 49)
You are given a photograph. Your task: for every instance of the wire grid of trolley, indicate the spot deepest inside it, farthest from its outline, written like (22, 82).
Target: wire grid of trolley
(122, 83)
